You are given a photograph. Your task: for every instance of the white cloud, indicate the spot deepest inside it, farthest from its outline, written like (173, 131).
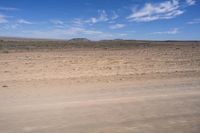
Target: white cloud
(63, 33)
(103, 17)
(123, 34)
(3, 19)
(77, 30)
(114, 16)
(172, 31)
(111, 22)
(150, 12)
(194, 21)
(68, 33)
(57, 22)
(117, 26)
(78, 22)
(23, 21)
(190, 2)
(14, 26)
(8, 9)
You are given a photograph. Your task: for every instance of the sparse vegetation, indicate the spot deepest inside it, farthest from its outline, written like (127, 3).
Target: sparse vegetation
(59, 83)
(5, 51)
(77, 43)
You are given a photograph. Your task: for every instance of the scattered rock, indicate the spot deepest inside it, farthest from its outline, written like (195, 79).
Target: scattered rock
(4, 86)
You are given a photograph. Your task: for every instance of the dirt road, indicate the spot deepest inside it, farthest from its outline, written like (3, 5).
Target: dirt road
(152, 106)
(117, 91)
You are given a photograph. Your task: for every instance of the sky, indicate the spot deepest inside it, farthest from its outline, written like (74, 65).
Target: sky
(101, 19)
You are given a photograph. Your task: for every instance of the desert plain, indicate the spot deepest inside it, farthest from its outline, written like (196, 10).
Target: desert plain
(112, 86)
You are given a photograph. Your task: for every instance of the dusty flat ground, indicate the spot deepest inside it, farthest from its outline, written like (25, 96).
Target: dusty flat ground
(148, 90)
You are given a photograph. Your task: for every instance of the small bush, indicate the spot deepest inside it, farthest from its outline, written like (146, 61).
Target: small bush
(5, 51)
(4, 86)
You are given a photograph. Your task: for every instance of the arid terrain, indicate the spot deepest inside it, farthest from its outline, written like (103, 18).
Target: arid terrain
(99, 87)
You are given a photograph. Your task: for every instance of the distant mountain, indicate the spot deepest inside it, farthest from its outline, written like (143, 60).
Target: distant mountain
(79, 40)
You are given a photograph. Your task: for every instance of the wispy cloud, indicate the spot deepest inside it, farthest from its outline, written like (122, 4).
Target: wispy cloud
(117, 26)
(194, 21)
(114, 15)
(172, 31)
(8, 9)
(78, 22)
(23, 21)
(103, 17)
(57, 22)
(68, 33)
(150, 12)
(190, 2)
(3, 19)
(123, 34)
(77, 30)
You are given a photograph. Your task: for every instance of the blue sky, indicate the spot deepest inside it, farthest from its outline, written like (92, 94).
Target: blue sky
(101, 19)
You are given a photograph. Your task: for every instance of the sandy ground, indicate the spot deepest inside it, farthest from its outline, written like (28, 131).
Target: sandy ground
(138, 90)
